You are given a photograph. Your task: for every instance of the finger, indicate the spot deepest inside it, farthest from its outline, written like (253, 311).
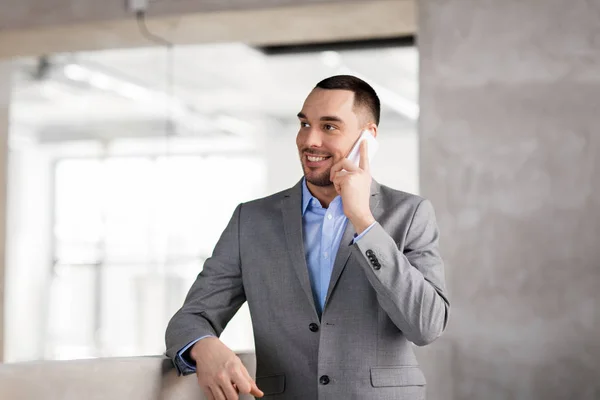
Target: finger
(337, 167)
(340, 177)
(344, 164)
(349, 165)
(230, 392)
(217, 393)
(205, 388)
(364, 156)
(254, 390)
(342, 174)
(224, 381)
(241, 382)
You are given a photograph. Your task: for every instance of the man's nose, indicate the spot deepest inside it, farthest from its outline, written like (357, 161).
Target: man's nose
(314, 138)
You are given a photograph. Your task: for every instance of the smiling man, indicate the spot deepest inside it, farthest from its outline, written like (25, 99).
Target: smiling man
(340, 273)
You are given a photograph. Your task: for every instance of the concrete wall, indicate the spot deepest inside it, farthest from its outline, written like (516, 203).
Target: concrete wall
(510, 100)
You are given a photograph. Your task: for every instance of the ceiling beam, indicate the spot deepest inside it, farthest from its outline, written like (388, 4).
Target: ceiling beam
(318, 21)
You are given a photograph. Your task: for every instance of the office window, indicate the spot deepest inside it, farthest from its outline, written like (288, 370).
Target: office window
(130, 235)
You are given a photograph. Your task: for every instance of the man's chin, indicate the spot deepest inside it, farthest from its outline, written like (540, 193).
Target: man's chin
(317, 177)
(318, 180)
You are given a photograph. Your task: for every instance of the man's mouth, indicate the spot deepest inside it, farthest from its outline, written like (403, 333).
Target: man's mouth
(316, 158)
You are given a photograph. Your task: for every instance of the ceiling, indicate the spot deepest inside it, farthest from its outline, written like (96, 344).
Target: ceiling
(214, 89)
(34, 27)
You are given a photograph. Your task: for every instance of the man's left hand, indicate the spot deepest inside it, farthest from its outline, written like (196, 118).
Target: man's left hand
(354, 185)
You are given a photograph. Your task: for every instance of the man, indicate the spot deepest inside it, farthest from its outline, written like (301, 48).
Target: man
(340, 274)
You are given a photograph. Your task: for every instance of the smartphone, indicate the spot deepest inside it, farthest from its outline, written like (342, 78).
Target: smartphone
(372, 147)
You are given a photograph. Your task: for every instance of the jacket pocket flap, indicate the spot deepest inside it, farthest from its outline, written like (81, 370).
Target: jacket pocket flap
(273, 384)
(397, 376)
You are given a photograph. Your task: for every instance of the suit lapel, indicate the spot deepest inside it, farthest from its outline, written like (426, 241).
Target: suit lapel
(345, 249)
(341, 259)
(291, 208)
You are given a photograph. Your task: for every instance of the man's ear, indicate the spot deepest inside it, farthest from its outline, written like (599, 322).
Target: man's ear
(373, 128)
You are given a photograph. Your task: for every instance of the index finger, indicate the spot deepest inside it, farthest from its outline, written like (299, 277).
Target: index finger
(364, 156)
(343, 164)
(248, 384)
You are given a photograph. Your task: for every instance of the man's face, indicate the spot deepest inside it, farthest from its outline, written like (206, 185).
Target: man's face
(329, 127)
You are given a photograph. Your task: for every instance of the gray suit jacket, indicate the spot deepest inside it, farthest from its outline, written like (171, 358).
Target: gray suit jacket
(386, 291)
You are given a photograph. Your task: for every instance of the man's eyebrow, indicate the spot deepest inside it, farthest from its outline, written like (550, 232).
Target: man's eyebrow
(331, 118)
(326, 118)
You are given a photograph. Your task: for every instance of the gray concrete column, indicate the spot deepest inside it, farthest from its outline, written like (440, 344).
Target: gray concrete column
(510, 156)
(5, 89)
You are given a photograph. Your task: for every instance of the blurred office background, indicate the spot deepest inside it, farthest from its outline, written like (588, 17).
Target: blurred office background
(126, 165)
(126, 159)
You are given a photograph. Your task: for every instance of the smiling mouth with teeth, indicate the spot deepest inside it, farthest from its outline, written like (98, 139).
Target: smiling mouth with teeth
(316, 158)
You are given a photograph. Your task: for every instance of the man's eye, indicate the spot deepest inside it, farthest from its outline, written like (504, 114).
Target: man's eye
(329, 127)
(304, 124)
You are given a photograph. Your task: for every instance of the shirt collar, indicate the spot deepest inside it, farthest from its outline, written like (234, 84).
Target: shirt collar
(306, 196)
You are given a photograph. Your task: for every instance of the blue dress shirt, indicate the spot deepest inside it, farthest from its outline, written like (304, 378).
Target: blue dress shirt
(322, 230)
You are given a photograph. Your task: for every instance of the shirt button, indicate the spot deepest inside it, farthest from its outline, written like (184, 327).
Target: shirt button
(325, 255)
(324, 380)
(329, 216)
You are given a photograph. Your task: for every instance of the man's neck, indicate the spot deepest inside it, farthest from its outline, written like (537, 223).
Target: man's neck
(325, 194)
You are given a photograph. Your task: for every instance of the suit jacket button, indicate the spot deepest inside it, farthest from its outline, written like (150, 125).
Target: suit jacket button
(369, 253)
(377, 267)
(313, 327)
(324, 380)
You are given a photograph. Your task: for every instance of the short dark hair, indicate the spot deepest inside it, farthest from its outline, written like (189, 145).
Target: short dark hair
(364, 94)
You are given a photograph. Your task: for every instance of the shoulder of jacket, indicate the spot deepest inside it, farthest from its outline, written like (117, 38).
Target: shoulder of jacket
(267, 201)
(398, 196)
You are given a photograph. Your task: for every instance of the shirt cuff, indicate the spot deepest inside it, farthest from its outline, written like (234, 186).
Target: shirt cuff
(363, 233)
(183, 362)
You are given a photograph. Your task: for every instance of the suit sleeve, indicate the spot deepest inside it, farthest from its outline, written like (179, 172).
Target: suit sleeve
(215, 296)
(410, 284)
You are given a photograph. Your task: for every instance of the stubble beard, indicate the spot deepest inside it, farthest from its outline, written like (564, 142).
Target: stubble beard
(321, 180)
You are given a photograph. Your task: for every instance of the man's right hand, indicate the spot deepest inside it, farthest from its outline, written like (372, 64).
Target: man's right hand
(221, 374)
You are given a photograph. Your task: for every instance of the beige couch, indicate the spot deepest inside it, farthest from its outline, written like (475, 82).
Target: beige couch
(138, 378)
